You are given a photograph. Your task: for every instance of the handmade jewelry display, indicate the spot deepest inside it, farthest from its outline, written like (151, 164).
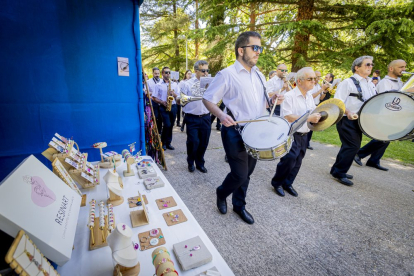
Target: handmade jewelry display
(75, 162)
(167, 202)
(24, 257)
(145, 169)
(139, 217)
(147, 241)
(210, 272)
(107, 158)
(153, 182)
(124, 250)
(60, 171)
(136, 201)
(98, 229)
(161, 259)
(111, 218)
(174, 217)
(129, 160)
(115, 187)
(192, 253)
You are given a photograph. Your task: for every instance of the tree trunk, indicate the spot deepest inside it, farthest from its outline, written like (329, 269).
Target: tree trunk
(176, 64)
(301, 40)
(196, 27)
(253, 16)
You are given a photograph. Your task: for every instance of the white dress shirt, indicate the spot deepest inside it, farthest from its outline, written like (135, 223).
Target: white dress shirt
(242, 91)
(388, 84)
(151, 84)
(347, 86)
(274, 85)
(315, 89)
(296, 104)
(192, 88)
(161, 90)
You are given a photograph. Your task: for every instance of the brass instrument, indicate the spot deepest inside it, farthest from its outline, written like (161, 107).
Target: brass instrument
(405, 72)
(290, 86)
(169, 98)
(184, 99)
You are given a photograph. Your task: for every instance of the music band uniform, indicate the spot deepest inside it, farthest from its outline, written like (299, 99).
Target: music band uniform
(288, 167)
(197, 119)
(168, 117)
(349, 131)
(377, 148)
(243, 94)
(155, 106)
(274, 85)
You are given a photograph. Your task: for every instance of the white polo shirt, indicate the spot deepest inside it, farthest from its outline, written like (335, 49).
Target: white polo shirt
(388, 84)
(274, 85)
(151, 84)
(347, 87)
(161, 90)
(296, 104)
(315, 89)
(242, 91)
(192, 88)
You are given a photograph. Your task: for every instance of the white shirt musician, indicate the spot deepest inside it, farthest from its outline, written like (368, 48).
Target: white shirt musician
(353, 92)
(192, 88)
(161, 90)
(278, 83)
(389, 83)
(154, 80)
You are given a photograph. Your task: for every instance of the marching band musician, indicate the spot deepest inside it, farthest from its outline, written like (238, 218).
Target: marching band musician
(241, 87)
(353, 91)
(197, 118)
(296, 103)
(187, 76)
(375, 148)
(278, 83)
(160, 95)
(155, 106)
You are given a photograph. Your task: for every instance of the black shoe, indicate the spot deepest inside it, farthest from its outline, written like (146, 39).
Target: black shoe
(164, 147)
(245, 216)
(349, 176)
(202, 169)
(225, 159)
(279, 191)
(218, 127)
(182, 128)
(170, 147)
(357, 160)
(178, 125)
(309, 148)
(222, 205)
(345, 181)
(377, 166)
(291, 191)
(191, 168)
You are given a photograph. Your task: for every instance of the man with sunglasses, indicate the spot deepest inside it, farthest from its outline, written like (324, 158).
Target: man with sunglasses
(241, 87)
(353, 91)
(197, 119)
(155, 106)
(296, 103)
(278, 84)
(160, 96)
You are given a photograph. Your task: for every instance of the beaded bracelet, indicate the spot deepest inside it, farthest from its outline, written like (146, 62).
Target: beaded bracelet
(159, 252)
(163, 261)
(168, 271)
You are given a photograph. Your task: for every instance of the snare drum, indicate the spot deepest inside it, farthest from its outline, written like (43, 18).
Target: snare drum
(267, 140)
(388, 116)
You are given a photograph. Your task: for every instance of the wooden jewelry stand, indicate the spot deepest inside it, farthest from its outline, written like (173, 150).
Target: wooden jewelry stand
(128, 171)
(115, 199)
(97, 237)
(108, 163)
(139, 217)
(120, 270)
(77, 175)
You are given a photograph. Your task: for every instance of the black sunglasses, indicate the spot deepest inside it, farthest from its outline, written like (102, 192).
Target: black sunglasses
(167, 72)
(282, 70)
(369, 64)
(203, 70)
(255, 48)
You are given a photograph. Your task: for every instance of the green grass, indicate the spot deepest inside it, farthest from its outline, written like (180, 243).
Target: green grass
(398, 150)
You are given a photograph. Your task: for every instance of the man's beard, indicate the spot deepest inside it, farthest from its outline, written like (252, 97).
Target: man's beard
(249, 61)
(157, 78)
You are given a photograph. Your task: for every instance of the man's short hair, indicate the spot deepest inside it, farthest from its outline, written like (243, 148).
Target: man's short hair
(331, 76)
(165, 67)
(243, 40)
(302, 73)
(155, 69)
(271, 73)
(200, 63)
(358, 62)
(378, 72)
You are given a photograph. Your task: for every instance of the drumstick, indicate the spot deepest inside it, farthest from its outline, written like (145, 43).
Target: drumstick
(249, 121)
(274, 106)
(354, 116)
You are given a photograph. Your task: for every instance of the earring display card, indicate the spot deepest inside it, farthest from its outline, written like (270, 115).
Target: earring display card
(147, 242)
(72, 163)
(165, 203)
(136, 201)
(192, 253)
(210, 272)
(153, 182)
(174, 217)
(146, 172)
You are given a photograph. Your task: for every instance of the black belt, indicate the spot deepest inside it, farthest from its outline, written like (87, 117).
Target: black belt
(301, 133)
(202, 115)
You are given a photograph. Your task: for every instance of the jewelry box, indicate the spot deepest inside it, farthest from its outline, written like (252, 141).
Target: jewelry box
(192, 253)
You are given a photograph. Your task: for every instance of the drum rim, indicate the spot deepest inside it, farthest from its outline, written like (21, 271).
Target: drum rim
(362, 107)
(265, 116)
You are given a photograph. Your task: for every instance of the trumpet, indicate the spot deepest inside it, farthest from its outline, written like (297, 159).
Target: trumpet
(285, 77)
(405, 72)
(169, 98)
(184, 99)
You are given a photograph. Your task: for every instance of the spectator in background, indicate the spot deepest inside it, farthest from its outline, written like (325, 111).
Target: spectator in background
(272, 74)
(375, 80)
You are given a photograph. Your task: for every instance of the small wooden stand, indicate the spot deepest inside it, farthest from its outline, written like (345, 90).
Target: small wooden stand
(97, 235)
(128, 171)
(139, 217)
(83, 201)
(115, 199)
(120, 270)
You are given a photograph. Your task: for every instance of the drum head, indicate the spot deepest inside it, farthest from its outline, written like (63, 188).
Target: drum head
(387, 116)
(265, 135)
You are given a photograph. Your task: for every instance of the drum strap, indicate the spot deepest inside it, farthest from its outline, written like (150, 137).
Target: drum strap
(358, 87)
(264, 90)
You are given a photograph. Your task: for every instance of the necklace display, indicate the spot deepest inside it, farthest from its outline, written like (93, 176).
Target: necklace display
(38, 265)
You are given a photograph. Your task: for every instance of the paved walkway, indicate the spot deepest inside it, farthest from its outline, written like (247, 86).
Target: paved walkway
(330, 229)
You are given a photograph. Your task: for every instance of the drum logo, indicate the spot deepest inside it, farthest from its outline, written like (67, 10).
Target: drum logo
(395, 105)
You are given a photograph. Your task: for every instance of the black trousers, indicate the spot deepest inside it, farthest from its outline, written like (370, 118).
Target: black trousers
(374, 148)
(168, 119)
(158, 117)
(351, 136)
(241, 167)
(222, 106)
(178, 114)
(289, 165)
(198, 136)
(309, 138)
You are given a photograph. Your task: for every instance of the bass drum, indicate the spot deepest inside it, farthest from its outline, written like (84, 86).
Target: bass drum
(388, 116)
